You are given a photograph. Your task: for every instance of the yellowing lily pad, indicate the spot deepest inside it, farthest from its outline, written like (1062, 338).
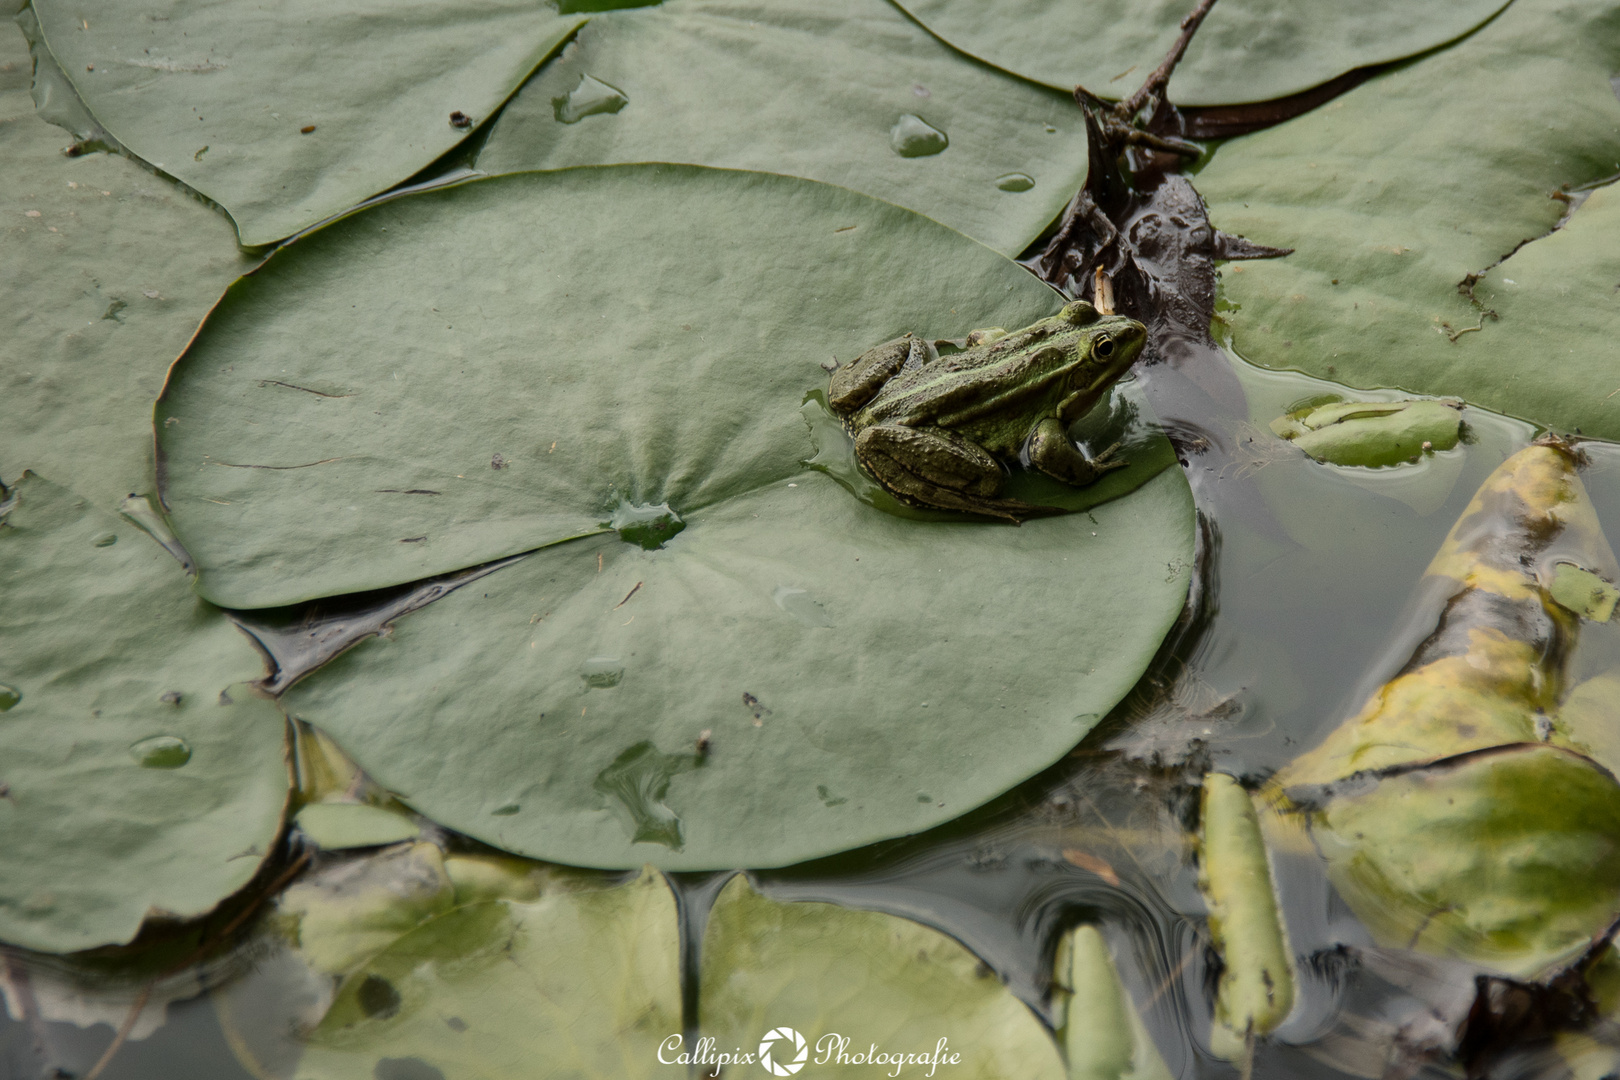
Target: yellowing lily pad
(286, 116)
(851, 92)
(525, 973)
(861, 984)
(137, 776)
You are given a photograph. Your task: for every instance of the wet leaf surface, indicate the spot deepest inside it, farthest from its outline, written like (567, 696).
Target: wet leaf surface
(137, 775)
(287, 117)
(103, 290)
(823, 90)
(1399, 194)
(1247, 50)
(785, 624)
(826, 971)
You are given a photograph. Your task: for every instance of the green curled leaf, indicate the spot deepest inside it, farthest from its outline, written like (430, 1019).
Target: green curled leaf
(1372, 433)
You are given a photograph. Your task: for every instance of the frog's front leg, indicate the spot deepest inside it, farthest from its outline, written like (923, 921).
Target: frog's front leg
(931, 467)
(857, 382)
(1051, 452)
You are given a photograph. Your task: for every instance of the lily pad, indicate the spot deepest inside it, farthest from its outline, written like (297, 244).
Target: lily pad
(555, 708)
(287, 116)
(359, 414)
(1246, 50)
(1510, 858)
(558, 981)
(846, 91)
(1400, 196)
(861, 984)
(138, 777)
(107, 273)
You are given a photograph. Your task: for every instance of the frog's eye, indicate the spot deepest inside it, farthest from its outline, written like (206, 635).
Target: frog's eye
(1104, 348)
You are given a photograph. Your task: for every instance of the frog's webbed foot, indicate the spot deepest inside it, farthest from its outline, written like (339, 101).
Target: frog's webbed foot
(934, 468)
(857, 382)
(1051, 452)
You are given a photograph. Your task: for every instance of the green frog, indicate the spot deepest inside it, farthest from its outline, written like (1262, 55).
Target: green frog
(935, 430)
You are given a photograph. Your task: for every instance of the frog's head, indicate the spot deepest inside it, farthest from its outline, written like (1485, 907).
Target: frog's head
(1101, 348)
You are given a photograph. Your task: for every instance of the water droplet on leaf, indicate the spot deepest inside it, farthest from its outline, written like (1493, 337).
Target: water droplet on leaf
(649, 526)
(1015, 181)
(912, 136)
(591, 97)
(161, 752)
(9, 696)
(601, 672)
(105, 539)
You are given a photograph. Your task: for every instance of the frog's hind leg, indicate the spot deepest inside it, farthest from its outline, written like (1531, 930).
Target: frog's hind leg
(858, 381)
(934, 468)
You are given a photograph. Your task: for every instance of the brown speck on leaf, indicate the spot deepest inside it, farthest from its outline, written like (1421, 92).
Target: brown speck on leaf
(461, 120)
(89, 67)
(171, 698)
(703, 742)
(497, 462)
(752, 704)
(1087, 861)
(306, 129)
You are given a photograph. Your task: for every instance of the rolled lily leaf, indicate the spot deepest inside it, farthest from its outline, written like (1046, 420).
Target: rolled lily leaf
(1103, 1036)
(1372, 433)
(1455, 814)
(1257, 984)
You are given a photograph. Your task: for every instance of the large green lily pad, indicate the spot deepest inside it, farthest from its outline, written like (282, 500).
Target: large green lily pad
(218, 94)
(137, 778)
(1246, 50)
(809, 88)
(859, 675)
(464, 374)
(1409, 187)
(784, 619)
(875, 980)
(107, 273)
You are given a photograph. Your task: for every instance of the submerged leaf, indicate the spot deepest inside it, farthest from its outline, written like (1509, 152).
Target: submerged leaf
(1103, 1034)
(303, 110)
(851, 981)
(470, 965)
(1455, 815)
(136, 775)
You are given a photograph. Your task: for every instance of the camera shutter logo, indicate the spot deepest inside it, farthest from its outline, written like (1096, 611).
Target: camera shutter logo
(787, 1041)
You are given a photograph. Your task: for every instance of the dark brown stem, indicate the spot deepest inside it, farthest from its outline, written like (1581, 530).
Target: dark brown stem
(1156, 82)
